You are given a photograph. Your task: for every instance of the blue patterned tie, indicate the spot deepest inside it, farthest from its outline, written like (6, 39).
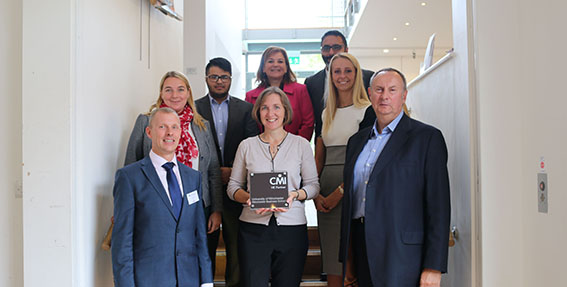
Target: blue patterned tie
(174, 190)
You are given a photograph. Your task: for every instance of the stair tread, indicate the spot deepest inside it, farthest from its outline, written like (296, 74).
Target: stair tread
(306, 283)
(311, 272)
(310, 252)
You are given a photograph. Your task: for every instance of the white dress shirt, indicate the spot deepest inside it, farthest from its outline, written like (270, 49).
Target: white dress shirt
(158, 163)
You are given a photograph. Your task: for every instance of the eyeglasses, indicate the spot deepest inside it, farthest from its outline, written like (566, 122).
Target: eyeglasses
(223, 78)
(328, 48)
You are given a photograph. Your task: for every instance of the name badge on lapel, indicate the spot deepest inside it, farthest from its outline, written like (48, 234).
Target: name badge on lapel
(192, 197)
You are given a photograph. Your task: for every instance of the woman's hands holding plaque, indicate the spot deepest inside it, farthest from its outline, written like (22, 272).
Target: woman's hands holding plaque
(295, 194)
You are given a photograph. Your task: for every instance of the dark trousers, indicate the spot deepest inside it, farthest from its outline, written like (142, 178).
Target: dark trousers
(212, 239)
(359, 253)
(230, 226)
(279, 251)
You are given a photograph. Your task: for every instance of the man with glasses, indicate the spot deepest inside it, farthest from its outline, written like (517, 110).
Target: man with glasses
(231, 122)
(332, 42)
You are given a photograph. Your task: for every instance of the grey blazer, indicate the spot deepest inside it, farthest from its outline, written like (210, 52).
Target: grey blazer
(139, 146)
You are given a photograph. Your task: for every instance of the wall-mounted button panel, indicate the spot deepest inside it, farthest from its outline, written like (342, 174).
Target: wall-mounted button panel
(542, 192)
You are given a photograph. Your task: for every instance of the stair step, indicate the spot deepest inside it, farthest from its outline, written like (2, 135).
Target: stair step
(313, 283)
(312, 264)
(311, 271)
(310, 252)
(306, 283)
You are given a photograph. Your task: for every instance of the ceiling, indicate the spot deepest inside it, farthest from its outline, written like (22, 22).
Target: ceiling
(383, 20)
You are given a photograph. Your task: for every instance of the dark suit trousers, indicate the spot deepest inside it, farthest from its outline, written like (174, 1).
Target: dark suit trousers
(359, 253)
(279, 251)
(212, 240)
(230, 224)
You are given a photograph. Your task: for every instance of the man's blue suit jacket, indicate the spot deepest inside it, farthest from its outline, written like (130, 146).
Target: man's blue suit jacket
(149, 246)
(407, 207)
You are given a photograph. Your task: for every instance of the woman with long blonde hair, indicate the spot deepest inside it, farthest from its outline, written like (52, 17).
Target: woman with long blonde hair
(345, 109)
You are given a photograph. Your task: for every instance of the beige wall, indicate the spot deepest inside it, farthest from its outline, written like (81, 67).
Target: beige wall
(89, 68)
(522, 116)
(194, 45)
(11, 261)
(518, 114)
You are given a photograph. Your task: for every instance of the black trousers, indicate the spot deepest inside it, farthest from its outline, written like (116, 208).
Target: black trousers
(230, 226)
(279, 251)
(359, 253)
(212, 240)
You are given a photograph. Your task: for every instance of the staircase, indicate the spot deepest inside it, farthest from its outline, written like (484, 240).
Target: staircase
(311, 271)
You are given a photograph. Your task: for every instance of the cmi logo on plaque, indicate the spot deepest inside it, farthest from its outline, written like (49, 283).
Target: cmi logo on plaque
(268, 190)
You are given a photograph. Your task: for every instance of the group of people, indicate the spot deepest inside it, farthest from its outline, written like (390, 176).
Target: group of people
(378, 179)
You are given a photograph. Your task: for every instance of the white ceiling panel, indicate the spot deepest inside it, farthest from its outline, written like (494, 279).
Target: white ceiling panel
(383, 20)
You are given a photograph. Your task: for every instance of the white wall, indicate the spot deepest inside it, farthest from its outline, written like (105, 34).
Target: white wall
(405, 64)
(439, 100)
(213, 29)
(90, 67)
(519, 105)
(442, 97)
(520, 69)
(11, 261)
(225, 21)
(48, 175)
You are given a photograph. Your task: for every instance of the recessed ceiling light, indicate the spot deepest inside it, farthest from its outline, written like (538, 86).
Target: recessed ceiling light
(407, 23)
(395, 39)
(423, 3)
(386, 51)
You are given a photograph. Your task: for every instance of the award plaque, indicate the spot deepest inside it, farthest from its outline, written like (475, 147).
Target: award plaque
(268, 190)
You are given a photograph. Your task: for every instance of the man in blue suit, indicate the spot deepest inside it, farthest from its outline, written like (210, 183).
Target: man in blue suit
(396, 206)
(159, 236)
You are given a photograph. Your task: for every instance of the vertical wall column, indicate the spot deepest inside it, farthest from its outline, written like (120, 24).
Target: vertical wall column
(194, 45)
(11, 262)
(47, 116)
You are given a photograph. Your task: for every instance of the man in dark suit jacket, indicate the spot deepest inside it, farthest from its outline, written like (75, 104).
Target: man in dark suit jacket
(159, 236)
(231, 122)
(396, 206)
(332, 42)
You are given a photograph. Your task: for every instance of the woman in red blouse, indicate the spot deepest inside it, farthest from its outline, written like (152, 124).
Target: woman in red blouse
(274, 71)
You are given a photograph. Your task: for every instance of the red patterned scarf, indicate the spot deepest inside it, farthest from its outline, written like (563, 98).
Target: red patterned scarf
(187, 148)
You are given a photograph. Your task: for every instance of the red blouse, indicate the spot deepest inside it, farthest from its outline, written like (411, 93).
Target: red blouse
(303, 119)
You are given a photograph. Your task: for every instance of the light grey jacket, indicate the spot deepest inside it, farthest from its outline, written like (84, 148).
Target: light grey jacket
(294, 156)
(140, 144)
